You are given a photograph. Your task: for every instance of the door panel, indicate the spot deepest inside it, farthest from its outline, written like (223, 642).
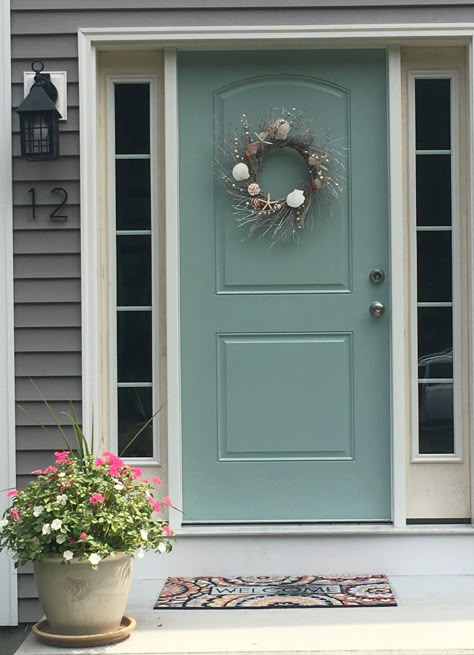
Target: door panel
(285, 374)
(317, 265)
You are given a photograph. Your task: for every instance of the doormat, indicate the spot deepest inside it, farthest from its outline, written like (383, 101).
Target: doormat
(263, 592)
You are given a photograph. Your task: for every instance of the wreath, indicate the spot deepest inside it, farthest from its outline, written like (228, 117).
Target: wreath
(279, 218)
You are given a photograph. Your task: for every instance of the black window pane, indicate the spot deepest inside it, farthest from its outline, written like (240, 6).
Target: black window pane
(435, 333)
(134, 346)
(133, 270)
(132, 119)
(436, 366)
(134, 410)
(434, 267)
(433, 190)
(132, 195)
(433, 120)
(436, 425)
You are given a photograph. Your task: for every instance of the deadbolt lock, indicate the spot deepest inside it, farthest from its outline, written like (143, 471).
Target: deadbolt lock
(377, 276)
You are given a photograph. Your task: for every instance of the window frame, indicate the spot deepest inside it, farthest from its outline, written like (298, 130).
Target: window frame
(110, 336)
(458, 419)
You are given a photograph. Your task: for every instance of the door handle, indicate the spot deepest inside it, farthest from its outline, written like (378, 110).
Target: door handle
(377, 309)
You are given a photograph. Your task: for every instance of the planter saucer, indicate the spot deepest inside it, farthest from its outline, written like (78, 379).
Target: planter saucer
(44, 634)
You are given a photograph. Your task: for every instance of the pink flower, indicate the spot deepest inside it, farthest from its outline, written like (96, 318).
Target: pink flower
(14, 514)
(83, 536)
(37, 472)
(99, 461)
(155, 504)
(156, 480)
(113, 459)
(11, 493)
(167, 530)
(144, 481)
(96, 498)
(50, 469)
(167, 501)
(62, 457)
(136, 472)
(114, 471)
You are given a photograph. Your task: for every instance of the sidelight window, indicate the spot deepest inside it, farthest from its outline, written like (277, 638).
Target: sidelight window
(132, 258)
(434, 271)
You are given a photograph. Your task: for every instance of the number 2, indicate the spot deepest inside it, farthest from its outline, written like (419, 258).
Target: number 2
(54, 214)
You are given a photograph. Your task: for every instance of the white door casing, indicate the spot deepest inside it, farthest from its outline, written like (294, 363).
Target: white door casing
(93, 39)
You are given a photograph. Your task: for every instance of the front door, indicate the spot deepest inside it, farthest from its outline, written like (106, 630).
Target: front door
(285, 372)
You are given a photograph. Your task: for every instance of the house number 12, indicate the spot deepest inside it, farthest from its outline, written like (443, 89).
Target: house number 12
(56, 214)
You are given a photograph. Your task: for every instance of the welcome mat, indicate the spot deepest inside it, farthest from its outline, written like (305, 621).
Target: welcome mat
(263, 592)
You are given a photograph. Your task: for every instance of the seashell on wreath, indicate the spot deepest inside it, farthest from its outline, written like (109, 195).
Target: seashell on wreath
(295, 199)
(253, 189)
(240, 172)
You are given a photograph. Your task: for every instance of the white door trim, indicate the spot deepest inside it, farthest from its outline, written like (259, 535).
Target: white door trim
(8, 579)
(237, 37)
(470, 205)
(398, 340)
(173, 346)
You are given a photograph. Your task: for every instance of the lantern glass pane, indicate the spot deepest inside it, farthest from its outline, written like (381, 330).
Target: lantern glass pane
(37, 134)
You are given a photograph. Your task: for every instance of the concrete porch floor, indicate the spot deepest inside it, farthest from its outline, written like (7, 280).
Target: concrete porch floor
(435, 615)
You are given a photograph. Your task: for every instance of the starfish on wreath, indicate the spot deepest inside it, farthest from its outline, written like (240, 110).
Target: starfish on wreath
(268, 204)
(262, 139)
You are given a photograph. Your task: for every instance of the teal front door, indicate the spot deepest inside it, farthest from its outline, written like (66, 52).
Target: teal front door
(285, 373)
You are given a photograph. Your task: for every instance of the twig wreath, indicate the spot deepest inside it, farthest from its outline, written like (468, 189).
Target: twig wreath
(279, 218)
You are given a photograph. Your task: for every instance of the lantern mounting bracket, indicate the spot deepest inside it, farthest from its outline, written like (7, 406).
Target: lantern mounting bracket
(58, 79)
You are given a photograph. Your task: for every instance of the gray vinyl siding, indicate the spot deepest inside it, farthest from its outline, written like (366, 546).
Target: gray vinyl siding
(47, 254)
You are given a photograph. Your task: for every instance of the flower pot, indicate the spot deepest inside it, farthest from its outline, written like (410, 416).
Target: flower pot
(79, 600)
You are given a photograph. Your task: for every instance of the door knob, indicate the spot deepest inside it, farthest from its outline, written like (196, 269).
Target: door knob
(377, 309)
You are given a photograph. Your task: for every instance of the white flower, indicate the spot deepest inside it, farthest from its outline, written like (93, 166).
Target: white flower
(119, 486)
(46, 529)
(39, 509)
(62, 499)
(144, 535)
(140, 553)
(3, 523)
(56, 524)
(60, 539)
(240, 172)
(295, 198)
(162, 548)
(94, 559)
(68, 554)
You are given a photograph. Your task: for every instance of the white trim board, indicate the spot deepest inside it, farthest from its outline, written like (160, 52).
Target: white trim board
(8, 580)
(205, 37)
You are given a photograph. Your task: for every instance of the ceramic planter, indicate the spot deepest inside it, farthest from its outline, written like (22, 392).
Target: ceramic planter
(78, 600)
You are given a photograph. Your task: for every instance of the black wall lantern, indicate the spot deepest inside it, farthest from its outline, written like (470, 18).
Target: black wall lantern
(39, 127)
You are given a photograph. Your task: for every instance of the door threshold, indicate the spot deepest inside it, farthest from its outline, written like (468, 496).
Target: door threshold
(298, 529)
(298, 523)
